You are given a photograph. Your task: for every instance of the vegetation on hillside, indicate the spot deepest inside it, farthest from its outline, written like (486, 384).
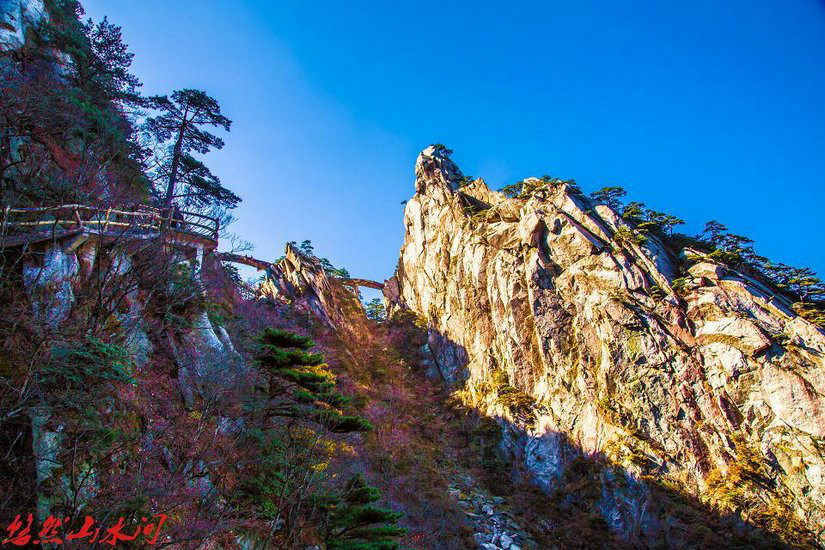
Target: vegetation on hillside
(75, 128)
(132, 404)
(113, 404)
(69, 131)
(800, 285)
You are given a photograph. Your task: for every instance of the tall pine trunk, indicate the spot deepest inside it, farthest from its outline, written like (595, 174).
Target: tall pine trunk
(173, 172)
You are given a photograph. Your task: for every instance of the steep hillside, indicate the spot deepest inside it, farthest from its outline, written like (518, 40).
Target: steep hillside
(548, 372)
(631, 364)
(428, 455)
(138, 388)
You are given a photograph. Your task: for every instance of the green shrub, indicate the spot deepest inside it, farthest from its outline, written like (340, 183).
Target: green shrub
(625, 237)
(355, 523)
(516, 401)
(657, 293)
(679, 284)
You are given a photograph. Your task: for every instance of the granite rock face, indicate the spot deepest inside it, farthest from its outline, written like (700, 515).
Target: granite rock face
(300, 280)
(16, 17)
(49, 285)
(544, 315)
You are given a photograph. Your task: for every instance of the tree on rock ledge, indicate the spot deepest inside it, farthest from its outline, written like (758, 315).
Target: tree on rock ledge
(179, 131)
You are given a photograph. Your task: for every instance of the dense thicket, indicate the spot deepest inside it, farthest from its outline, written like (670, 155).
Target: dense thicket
(75, 129)
(67, 126)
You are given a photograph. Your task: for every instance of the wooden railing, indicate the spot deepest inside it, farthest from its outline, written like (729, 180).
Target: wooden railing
(103, 220)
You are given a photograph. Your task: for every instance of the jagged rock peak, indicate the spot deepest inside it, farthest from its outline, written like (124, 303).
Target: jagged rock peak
(555, 316)
(300, 279)
(434, 166)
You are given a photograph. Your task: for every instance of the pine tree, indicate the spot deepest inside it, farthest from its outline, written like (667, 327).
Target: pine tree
(375, 310)
(609, 196)
(202, 187)
(107, 68)
(307, 248)
(180, 127)
(354, 523)
(442, 149)
(661, 222)
(634, 212)
(713, 232)
(514, 190)
(100, 60)
(799, 284)
(300, 386)
(525, 188)
(293, 438)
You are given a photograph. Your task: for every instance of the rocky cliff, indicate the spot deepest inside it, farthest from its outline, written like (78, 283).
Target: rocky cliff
(16, 18)
(671, 370)
(301, 281)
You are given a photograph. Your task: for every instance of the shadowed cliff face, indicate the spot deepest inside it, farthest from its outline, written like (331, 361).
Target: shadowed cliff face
(545, 315)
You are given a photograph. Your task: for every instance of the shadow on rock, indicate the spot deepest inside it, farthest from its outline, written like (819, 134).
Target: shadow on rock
(568, 498)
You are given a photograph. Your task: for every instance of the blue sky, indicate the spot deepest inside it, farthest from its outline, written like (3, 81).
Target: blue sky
(707, 110)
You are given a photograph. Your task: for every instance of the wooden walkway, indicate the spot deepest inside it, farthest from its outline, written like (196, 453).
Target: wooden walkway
(22, 226)
(74, 224)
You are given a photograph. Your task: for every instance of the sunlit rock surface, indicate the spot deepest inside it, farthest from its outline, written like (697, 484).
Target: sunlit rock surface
(300, 280)
(578, 342)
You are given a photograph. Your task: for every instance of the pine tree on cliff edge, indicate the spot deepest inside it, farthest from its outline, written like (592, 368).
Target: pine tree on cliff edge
(180, 127)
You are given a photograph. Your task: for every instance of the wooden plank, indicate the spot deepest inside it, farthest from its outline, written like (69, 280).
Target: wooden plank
(33, 238)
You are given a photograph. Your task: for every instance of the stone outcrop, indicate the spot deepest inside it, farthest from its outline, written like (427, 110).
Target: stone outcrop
(544, 314)
(206, 359)
(16, 18)
(300, 280)
(494, 527)
(49, 285)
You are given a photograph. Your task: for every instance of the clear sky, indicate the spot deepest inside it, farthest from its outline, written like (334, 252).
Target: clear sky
(705, 109)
